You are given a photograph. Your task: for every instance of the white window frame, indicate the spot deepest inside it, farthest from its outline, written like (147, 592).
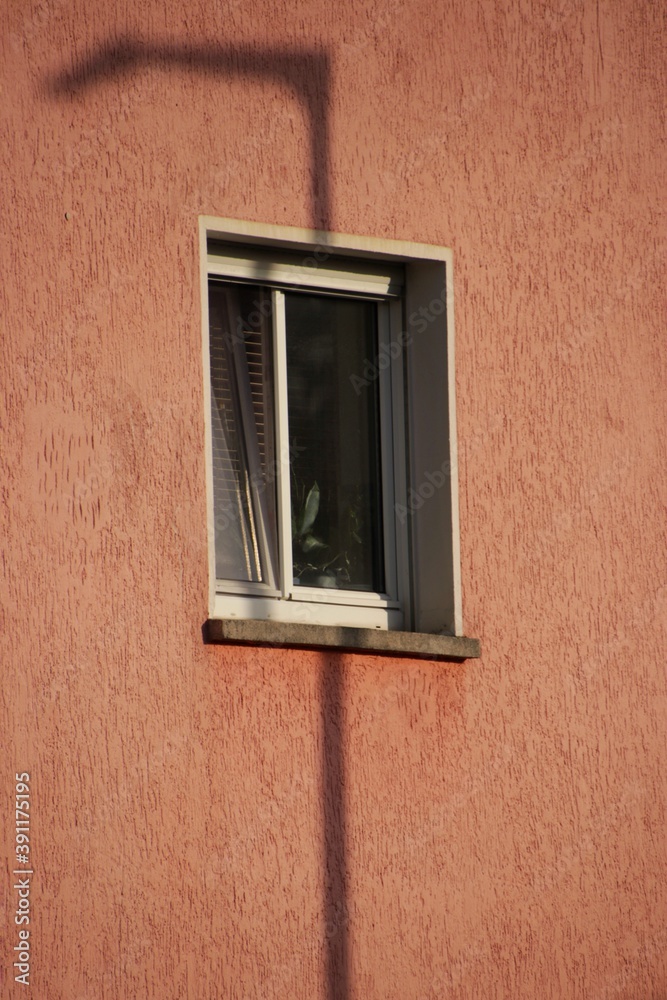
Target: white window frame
(420, 486)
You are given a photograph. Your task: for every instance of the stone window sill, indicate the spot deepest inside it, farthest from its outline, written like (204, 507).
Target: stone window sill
(299, 636)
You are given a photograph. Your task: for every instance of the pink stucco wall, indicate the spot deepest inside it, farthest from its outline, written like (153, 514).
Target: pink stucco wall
(242, 823)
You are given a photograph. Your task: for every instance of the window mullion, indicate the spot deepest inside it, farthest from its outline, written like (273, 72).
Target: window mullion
(386, 442)
(400, 466)
(282, 444)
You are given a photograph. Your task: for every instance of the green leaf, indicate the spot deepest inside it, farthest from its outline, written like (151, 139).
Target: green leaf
(310, 509)
(310, 544)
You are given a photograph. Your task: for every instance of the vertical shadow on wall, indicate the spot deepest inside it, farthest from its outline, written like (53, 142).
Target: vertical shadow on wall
(308, 73)
(333, 801)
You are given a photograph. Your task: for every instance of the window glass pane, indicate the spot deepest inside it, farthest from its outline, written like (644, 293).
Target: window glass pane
(243, 436)
(334, 443)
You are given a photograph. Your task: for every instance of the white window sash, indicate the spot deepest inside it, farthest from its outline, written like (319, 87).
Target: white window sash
(278, 583)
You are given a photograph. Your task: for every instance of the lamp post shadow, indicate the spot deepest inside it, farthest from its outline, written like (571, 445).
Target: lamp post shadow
(336, 907)
(308, 73)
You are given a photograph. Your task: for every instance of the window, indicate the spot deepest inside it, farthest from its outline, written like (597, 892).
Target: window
(331, 441)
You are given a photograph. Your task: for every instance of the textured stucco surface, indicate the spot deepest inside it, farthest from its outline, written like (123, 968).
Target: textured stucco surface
(213, 821)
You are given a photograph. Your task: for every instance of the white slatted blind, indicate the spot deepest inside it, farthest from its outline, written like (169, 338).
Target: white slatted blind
(241, 402)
